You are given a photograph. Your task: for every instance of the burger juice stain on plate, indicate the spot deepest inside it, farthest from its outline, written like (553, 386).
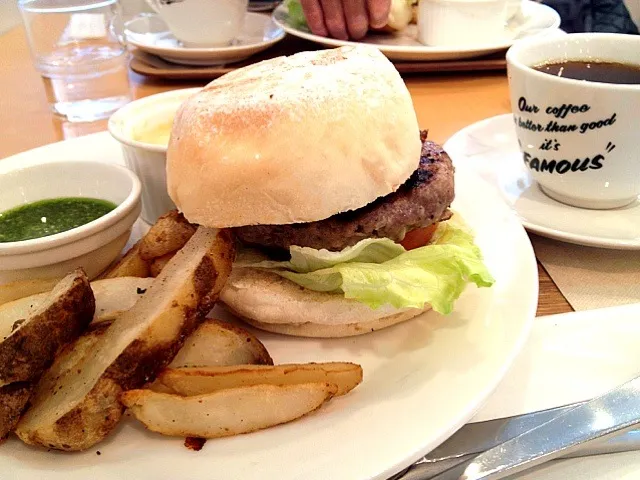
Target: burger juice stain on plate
(423, 378)
(490, 148)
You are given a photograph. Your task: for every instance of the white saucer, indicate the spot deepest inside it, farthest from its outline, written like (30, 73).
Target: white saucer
(490, 148)
(536, 19)
(150, 34)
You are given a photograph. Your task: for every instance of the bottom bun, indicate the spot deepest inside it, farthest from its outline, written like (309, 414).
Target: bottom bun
(275, 304)
(318, 330)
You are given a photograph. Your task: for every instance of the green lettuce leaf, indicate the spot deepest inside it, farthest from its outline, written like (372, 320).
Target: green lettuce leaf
(379, 271)
(296, 14)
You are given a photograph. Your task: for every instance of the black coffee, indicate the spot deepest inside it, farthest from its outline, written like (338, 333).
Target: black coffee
(603, 72)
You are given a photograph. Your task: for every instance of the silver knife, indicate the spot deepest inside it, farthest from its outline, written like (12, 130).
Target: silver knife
(451, 469)
(474, 438)
(614, 412)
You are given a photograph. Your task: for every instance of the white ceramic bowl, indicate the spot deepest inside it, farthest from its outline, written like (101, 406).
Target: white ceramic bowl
(461, 22)
(148, 160)
(92, 246)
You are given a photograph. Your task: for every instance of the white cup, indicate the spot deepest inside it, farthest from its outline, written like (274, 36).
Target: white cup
(136, 127)
(579, 139)
(514, 8)
(461, 22)
(202, 23)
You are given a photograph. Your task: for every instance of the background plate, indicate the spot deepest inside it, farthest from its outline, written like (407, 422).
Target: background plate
(423, 379)
(537, 19)
(153, 66)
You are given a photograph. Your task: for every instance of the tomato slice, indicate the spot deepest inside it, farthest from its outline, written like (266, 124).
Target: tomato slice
(419, 237)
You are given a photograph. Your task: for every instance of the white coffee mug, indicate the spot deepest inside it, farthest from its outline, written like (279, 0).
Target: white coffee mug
(579, 139)
(202, 23)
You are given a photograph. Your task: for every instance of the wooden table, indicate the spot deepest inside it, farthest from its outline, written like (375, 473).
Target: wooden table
(444, 103)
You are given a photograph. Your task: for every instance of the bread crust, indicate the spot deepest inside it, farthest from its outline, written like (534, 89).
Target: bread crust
(272, 303)
(293, 139)
(315, 330)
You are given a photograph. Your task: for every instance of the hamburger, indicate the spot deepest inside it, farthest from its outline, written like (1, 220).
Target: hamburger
(339, 202)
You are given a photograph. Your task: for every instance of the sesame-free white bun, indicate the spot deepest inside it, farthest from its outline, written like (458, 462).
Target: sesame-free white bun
(272, 303)
(293, 139)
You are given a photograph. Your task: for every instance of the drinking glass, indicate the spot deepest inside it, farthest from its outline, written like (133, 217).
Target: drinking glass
(77, 48)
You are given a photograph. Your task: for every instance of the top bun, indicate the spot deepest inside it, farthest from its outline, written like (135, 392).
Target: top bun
(293, 139)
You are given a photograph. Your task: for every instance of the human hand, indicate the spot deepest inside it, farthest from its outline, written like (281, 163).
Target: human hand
(344, 19)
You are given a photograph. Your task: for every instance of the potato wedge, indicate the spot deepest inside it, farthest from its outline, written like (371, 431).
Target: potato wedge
(13, 399)
(67, 361)
(112, 296)
(23, 288)
(157, 264)
(13, 312)
(72, 355)
(31, 347)
(217, 343)
(85, 407)
(130, 265)
(200, 381)
(169, 234)
(226, 412)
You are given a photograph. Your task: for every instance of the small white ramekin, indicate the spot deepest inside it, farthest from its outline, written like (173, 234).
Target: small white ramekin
(92, 246)
(461, 22)
(148, 160)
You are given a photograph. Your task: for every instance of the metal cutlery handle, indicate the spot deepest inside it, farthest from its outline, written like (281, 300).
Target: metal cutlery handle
(452, 468)
(603, 417)
(478, 437)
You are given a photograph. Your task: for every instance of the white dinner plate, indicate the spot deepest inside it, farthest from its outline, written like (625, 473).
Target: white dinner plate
(537, 19)
(490, 148)
(573, 357)
(568, 358)
(423, 379)
(150, 34)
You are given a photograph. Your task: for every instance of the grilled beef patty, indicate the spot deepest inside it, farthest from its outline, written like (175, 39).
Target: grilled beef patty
(421, 201)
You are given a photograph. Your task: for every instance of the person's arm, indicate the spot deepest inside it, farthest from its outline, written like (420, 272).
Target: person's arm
(572, 13)
(344, 19)
(610, 16)
(593, 16)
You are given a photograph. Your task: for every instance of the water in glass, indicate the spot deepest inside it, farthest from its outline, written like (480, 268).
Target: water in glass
(77, 50)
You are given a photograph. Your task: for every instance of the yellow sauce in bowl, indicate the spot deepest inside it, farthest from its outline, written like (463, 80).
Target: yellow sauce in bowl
(156, 133)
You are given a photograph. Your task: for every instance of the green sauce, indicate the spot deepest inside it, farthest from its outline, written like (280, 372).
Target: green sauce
(48, 217)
